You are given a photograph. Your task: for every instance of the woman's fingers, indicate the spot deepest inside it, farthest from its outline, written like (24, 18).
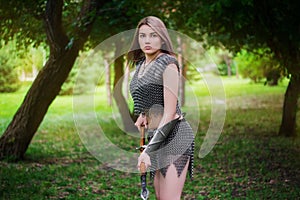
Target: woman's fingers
(144, 157)
(141, 122)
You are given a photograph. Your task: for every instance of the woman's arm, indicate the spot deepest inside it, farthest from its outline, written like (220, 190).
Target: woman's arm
(170, 81)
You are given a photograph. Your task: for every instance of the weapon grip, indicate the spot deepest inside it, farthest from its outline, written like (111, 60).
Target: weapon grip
(142, 143)
(143, 168)
(142, 138)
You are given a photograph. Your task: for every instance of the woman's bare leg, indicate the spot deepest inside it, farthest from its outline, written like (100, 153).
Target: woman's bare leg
(171, 186)
(157, 179)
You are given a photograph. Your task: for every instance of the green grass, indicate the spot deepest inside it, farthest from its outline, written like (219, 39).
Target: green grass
(249, 160)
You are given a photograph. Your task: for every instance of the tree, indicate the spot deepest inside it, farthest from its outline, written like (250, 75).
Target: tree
(63, 51)
(251, 24)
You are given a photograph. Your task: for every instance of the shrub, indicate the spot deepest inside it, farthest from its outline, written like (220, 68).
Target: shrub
(84, 75)
(9, 62)
(258, 66)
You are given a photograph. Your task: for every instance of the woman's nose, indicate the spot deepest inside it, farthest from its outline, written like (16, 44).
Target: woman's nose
(147, 39)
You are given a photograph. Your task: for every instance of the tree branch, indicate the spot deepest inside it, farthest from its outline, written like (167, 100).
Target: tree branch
(86, 19)
(53, 21)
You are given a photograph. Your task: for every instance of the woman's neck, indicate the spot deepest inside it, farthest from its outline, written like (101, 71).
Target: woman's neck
(150, 57)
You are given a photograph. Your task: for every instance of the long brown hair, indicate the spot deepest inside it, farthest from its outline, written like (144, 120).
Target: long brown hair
(135, 53)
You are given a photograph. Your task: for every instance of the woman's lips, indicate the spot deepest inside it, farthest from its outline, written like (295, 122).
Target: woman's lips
(147, 48)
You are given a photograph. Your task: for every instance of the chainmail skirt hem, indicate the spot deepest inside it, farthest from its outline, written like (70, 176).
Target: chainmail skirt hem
(177, 149)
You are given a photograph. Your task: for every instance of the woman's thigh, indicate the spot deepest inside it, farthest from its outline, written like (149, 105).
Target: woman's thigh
(170, 186)
(157, 179)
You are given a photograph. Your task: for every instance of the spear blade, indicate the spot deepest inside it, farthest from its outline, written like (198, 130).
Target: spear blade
(144, 190)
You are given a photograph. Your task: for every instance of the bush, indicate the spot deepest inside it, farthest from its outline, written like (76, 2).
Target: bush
(84, 75)
(223, 68)
(9, 62)
(258, 66)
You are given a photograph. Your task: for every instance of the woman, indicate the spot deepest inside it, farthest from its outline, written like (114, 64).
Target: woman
(154, 89)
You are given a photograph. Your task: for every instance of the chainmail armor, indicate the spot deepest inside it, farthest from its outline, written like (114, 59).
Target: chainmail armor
(147, 91)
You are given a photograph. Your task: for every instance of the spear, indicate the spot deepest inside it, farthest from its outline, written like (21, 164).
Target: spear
(144, 191)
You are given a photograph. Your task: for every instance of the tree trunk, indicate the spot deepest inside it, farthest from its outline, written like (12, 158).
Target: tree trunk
(227, 61)
(19, 133)
(182, 81)
(182, 67)
(118, 94)
(107, 81)
(288, 123)
(126, 81)
(228, 67)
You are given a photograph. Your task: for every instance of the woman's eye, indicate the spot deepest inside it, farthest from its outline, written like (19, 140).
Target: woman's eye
(142, 36)
(154, 35)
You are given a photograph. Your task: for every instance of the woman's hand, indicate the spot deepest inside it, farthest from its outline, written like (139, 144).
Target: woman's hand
(145, 158)
(141, 121)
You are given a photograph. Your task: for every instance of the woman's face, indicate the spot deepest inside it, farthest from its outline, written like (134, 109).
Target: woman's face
(149, 41)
